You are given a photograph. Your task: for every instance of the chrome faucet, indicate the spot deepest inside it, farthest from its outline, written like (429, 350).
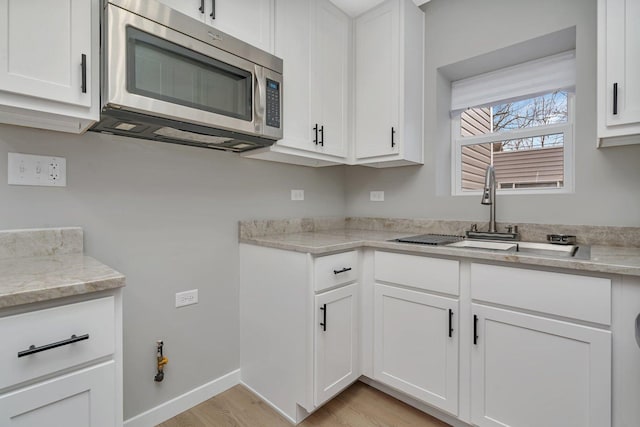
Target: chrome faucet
(489, 196)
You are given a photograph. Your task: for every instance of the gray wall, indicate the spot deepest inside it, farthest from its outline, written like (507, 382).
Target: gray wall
(165, 216)
(607, 190)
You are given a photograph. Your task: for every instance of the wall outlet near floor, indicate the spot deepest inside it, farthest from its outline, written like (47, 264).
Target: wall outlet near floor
(376, 196)
(297, 194)
(28, 169)
(186, 298)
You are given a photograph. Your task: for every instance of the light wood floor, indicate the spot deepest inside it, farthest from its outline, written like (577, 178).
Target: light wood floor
(358, 406)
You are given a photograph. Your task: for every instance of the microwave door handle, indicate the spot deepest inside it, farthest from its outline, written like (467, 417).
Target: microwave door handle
(260, 98)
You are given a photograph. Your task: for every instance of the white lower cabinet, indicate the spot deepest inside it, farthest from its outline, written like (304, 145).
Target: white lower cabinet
(64, 368)
(80, 399)
(336, 341)
(416, 345)
(530, 371)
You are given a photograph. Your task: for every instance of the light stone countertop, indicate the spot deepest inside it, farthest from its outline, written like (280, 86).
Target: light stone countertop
(45, 264)
(604, 259)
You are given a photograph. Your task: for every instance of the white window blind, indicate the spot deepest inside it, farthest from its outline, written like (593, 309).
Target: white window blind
(516, 82)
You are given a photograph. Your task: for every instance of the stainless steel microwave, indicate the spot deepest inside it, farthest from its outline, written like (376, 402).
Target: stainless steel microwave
(170, 78)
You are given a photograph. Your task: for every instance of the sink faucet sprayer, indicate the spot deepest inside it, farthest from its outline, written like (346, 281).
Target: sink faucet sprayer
(489, 196)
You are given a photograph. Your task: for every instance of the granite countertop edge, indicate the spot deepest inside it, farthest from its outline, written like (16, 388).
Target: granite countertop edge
(604, 259)
(26, 280)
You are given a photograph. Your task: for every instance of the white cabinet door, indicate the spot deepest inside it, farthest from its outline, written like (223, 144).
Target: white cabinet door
(623, 61)
(377, 62)
(81, 399)
(249, 20)
(293, 45)
(193, 8)
(42, 45)
(416, 345)
(529, 371)
(330, 78)
(336, 341)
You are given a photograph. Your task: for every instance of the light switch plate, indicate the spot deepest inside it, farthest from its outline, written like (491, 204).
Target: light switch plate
(376, 196)
(297, 195)
(29, 169)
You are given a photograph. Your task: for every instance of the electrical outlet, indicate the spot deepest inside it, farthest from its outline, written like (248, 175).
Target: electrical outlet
(376, 196)
(186, 298)
(297, 194)
(28, 169)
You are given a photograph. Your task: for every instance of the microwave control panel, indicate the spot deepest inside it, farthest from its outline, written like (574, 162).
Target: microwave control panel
(273, 104)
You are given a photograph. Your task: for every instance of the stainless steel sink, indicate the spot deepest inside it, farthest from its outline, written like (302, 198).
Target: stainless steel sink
(483, 244)
(527, 248)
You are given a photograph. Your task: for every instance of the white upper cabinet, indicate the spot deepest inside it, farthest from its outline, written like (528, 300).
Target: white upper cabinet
(313, 39)
(330, 77)
(388, 85)
(49, 63)
(618, 71)
(248, 20)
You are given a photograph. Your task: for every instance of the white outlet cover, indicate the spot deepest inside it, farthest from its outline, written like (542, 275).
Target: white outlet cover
(29, 169)
(297, 195)
(376, 196)
(186, 298)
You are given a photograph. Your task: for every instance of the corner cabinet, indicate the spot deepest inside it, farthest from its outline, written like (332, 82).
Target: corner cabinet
(415, 331)
(49, 62)
(313, 39)
(389, 52)
(248, 20)
(618, 71)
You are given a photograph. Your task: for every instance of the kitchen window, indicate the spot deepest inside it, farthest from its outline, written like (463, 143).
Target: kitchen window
(520, 120)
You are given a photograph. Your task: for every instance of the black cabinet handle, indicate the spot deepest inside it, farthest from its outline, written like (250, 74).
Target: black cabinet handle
(324, 317)
(83, 64)
(201, 8)
(322, 135)
(344, 270)
(615, 98)
(393, 134)
(450, 323)
(33, 349)
(475, 329)
(213, 9)
(315, 129)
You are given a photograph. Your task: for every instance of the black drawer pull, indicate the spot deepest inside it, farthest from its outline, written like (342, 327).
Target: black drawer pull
(475, 329)
(393, 134)
(33, 349)
(315, 129)
(83, 65)
(321, 142)
(450, 323)
(344, 270)
(213, 9)
(201, 8)
(324, 317)
(615, 98)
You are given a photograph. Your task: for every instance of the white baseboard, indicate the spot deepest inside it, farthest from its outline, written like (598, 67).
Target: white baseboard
(271, 405)
(175, 406)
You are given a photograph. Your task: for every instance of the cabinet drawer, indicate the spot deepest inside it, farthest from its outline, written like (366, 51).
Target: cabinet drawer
(80, 399)
(94, 318)
(334, 270)
(431, 274)
(567, 295)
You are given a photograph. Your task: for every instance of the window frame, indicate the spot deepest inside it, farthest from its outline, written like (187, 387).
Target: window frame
(567, 129)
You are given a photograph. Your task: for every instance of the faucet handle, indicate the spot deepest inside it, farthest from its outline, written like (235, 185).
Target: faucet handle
(474, 227)
(509, 228)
